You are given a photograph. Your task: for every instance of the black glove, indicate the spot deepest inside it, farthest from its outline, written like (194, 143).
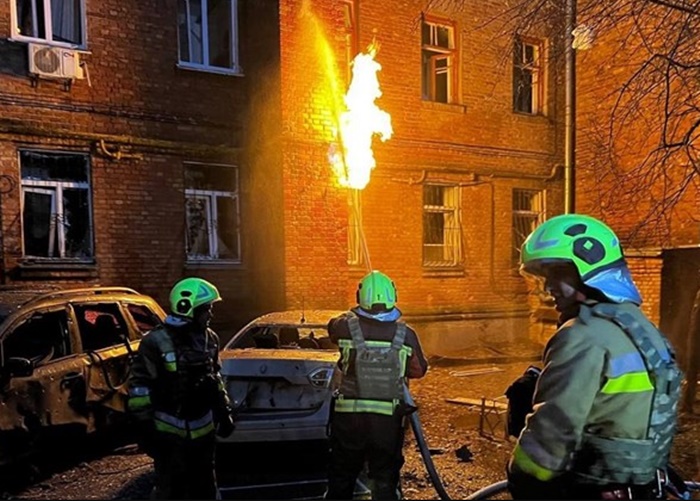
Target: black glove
(226, 424)
(146, 437)
(520, 394)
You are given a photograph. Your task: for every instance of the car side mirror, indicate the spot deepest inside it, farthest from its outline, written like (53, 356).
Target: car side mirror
(18, 367)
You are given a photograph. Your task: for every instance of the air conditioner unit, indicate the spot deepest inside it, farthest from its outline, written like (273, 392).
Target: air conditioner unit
(54, 62)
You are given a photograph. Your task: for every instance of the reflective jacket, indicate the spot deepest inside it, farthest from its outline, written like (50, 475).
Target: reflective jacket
(599, 411)
(376, 333)
(175, 381)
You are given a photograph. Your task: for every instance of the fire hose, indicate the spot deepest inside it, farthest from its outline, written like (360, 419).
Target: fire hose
(423, 446)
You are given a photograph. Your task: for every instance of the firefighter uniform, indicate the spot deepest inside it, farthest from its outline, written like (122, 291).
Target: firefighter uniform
(177, 398)
(367, 424)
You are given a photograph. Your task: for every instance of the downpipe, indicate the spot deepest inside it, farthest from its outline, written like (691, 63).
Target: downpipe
(422, 445)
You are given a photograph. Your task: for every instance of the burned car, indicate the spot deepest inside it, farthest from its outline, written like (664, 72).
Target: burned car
(279, 370)
(64, 360)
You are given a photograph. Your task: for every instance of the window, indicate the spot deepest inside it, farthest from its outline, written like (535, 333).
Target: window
(144, 318)
(101, 325)
(356, 255)
(350, 34)
(442, 236)
(41, 338)
(527, 77)
(56, 211)
(528, 213)
(439, 61)
(208, 34)
(59, 22)
(212, 213)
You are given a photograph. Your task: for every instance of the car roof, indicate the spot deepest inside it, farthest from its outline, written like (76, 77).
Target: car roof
(294, 317)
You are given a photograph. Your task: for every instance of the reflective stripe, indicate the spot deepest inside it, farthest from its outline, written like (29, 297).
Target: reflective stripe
(624, 364)
(204, 420)
(183, 424)
(526, 464)
(139, 402)
(170, 360)
(635, 382)
(374, 406)
(168, 428)
(539, 455)
(139, 391)
(202, 431)
(347, 343)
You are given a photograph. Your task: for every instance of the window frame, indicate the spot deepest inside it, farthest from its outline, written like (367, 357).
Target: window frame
(456, 233)
(534, 217)
(55, 190)
(536, 70)
(212, 214)
(48, 26)
(235, 68)
(451, 54)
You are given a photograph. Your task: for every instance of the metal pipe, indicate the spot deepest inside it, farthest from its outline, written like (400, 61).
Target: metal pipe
(570, 110)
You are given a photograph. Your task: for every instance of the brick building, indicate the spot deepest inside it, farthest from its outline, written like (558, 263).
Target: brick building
(163, 156)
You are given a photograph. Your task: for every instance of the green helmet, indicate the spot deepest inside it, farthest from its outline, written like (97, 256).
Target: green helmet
(587, 243)
(189, 293)
(376, 289)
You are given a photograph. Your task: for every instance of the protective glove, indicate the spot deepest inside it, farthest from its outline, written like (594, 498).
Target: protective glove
(226, 424)
(146, 437)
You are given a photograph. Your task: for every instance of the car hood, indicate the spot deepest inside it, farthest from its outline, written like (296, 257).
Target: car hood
(276, 354)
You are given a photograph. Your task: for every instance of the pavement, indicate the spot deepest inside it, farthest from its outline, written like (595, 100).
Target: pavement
(490, 353)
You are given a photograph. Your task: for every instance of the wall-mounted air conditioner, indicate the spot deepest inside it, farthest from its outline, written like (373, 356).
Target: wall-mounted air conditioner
(54, 62)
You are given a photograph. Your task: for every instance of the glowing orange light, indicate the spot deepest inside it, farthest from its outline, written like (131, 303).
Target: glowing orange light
(361, 120)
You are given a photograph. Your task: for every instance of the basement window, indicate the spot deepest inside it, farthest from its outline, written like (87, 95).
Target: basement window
(208, 35)
(528, 88)
(439, 61)
(56, 22)
(212, 213)
(56, 206)
(528, 214)
(442, 232)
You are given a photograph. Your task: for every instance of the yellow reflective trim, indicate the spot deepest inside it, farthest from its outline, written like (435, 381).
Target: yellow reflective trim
(633, 382)
(527, 465)
(200, 432)
(374, 406)
(168, 428)
(139, 402)
(170, 366)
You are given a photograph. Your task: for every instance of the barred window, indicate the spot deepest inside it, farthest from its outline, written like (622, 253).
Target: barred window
(442, 235)
(528, 213)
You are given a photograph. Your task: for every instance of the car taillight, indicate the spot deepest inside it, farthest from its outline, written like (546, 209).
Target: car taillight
(321, 377)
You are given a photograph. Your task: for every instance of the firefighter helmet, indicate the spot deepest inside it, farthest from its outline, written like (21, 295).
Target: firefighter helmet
(190, 293)
(376, 290)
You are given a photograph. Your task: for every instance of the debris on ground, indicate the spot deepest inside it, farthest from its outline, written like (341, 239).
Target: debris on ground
(464, 454)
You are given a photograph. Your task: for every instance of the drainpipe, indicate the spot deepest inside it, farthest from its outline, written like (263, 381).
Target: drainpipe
(570, 110)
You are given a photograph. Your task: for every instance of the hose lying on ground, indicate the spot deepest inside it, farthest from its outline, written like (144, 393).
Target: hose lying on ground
(423, 446)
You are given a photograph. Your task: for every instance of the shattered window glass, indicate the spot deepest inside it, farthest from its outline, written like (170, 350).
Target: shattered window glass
(56, 212)
(207, 33)
(144, 318)
(527, 90)
(212, 213)
(101, 325)
(41, 338)
(438, 61)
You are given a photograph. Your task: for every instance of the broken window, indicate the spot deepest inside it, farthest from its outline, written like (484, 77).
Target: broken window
(356, 255)
(56, 211)
(439, 61)
(101, 325)
(41, 338)
(144, 318)
(212, 213)
(527, 77)
(528, 213)
(442, 233)
(59, 21)
(208, 34)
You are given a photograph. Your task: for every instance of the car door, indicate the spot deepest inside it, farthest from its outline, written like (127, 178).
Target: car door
(103, 335)
(54, 394)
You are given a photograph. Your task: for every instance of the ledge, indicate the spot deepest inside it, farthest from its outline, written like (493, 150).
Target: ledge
(449, 107)
(31, 269)
(447, 272)
(219, 265)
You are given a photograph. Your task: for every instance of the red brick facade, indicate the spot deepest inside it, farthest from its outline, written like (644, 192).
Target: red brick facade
(276, 124)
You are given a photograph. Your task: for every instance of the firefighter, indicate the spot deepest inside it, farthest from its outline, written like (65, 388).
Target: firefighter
(378, 351)
(177, 395)
(605, 404)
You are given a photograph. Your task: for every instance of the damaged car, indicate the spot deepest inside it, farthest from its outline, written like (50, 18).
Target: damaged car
(279, 370)
(64, 360)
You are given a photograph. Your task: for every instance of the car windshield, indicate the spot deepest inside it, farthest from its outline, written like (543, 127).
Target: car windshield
(283, 336)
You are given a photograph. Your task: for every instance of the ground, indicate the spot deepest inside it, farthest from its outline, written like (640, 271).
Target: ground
(448, 427)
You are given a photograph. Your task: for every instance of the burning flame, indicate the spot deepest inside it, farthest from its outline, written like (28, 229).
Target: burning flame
(358, 124)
